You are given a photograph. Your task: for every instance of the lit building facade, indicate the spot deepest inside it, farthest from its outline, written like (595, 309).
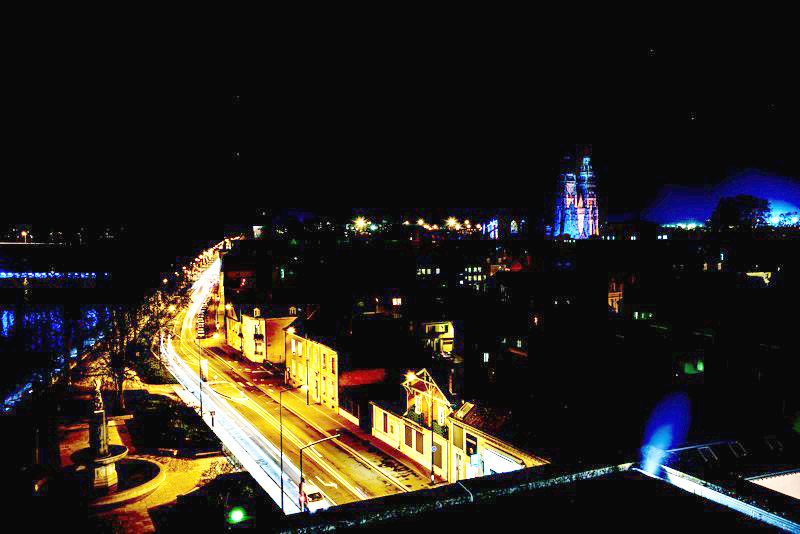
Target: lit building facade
(455, 445)
(577, 214)
(315, 365)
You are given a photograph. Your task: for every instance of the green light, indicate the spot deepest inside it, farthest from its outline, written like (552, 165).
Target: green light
(700, 366)
(236, 515)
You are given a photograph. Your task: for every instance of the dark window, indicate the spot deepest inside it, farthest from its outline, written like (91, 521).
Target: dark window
(385, 423)
(437, 456)
(458, 437)
(420, 443)
(472, 445)
(409, 437)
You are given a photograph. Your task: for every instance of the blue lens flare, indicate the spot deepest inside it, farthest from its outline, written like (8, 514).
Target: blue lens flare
(667, 427)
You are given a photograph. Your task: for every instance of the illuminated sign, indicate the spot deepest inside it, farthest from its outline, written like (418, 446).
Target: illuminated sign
(514, 228)
(492, 229)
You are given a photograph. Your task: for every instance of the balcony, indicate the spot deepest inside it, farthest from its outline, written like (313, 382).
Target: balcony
(441, 430)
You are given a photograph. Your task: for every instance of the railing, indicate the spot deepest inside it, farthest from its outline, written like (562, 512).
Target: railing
(439, 429)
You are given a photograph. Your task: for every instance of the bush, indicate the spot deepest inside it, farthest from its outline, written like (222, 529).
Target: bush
(161, 422)
(152, 371)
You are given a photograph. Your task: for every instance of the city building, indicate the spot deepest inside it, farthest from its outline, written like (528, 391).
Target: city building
(458, 444)
(258, 338)
(310, 363)
(477, 448)
(420, 432)
(577, 215)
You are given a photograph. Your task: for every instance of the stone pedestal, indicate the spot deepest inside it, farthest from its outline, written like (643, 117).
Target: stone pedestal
(104, 477)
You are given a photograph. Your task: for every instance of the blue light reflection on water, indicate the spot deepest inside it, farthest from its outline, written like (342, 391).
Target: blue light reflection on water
(49, 329)
(667, 427)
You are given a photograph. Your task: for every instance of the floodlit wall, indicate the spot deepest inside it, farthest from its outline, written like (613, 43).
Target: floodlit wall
(316, 365)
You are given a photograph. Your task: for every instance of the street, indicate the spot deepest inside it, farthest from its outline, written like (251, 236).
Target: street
(341, 471)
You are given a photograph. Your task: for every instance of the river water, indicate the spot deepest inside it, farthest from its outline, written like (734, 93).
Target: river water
(38, 341)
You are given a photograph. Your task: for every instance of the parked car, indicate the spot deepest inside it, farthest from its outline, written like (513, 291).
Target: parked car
(315, 500)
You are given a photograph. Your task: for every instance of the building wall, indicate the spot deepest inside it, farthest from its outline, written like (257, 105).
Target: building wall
(462, 467)
(253, 346)
(394, 426)
(232, 330)
(276, 346)
(322, 373)
(396, 436)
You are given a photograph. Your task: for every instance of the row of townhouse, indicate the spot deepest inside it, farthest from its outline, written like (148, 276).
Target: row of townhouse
(456, 442)
(312, 364)
(260, 339)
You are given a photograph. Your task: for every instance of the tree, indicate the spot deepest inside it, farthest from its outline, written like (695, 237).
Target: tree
(742, 212)
(128, 330)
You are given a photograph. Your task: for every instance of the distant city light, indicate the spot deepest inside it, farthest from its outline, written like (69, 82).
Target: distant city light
(421, 222)
(361, 223)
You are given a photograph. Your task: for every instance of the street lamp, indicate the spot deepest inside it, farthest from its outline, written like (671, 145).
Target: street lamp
(301, 459)
(308, 390)
(25, 235)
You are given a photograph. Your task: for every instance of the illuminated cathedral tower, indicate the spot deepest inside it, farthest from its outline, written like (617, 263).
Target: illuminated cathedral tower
(576, 205)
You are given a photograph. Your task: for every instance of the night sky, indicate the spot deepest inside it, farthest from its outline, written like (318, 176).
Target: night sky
(319, 126)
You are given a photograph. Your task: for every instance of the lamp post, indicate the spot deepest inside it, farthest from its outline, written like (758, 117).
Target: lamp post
(433, 450)
(301, 458)
(25, 236)
(308, 389)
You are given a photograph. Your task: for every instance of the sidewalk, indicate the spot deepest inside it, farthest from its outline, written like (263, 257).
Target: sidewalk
(405, 473)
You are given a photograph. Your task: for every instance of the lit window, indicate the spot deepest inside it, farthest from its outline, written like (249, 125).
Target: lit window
(294, 347)
(485, 357)
(438, 270)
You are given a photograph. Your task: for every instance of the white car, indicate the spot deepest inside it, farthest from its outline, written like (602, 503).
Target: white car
(315, 501)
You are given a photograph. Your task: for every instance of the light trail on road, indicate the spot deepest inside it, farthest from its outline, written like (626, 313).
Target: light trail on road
(199, 295)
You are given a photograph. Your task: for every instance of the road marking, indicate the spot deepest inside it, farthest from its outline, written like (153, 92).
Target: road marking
(265, 415)
(331, 485)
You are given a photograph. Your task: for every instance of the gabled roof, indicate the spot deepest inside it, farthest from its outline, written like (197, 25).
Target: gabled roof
(423, 381)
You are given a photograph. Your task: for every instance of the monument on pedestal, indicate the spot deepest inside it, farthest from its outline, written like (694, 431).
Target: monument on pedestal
(101, 457)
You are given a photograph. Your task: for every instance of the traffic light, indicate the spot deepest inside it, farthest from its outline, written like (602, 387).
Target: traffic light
(236, 515)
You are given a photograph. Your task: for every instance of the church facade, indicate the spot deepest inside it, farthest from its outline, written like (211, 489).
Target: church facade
(577, 214)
